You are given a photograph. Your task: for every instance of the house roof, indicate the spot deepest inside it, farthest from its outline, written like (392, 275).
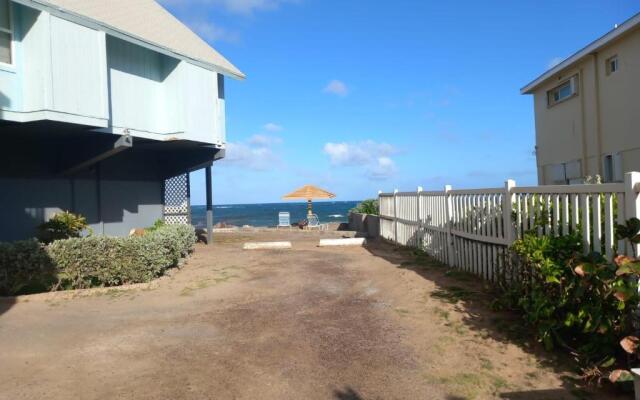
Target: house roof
(143, 21)
(591, 48)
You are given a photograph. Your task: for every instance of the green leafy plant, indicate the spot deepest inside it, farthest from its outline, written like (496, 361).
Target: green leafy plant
(369, 206)
(579, 303)
(63, 225)
(158, 224)
(629, 231)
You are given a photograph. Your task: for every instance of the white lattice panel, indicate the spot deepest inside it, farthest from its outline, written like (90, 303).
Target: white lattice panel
(177, 208)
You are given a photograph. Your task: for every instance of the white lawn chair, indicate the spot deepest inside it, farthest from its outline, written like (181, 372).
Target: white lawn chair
(284, 220)
(314, 223)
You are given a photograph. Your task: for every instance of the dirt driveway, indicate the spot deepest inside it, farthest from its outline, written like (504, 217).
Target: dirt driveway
(307, 323)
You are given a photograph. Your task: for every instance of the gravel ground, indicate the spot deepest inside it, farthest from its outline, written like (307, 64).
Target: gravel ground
(307, 323)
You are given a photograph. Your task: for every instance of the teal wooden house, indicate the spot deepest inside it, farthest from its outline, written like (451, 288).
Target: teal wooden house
(105, 108)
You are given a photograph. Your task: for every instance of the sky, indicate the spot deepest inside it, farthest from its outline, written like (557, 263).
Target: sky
(358, 96)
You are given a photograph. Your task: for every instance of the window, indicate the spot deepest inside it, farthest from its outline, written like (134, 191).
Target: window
(607, 170)
(6, 35)
(612, 65)
(562, 92)
(612, 168)
(566, 173)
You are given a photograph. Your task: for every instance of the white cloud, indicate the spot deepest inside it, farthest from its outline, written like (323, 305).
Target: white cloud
(193, 13)
(342, 154)
(384, 168)
(244, 7)
(250, 6)
(264, 140)
(554, 61)
(256, 153)
(272, 127)
(336, 87)
(212, 32)
(372, 156)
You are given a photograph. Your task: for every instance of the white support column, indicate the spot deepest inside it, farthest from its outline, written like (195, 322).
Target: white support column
(632, 201)
(419, 218)
(449, 218)
(395, 216)
(507, 204)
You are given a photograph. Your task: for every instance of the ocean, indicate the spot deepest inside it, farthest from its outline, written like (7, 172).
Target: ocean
(267, 214)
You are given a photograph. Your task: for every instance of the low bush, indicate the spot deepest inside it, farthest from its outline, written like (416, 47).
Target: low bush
(367, 207)
(79, 263)
(62, 225)
(583, 304)
(25, 267)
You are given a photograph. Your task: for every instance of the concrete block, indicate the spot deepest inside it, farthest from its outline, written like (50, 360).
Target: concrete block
(266, 245)
(342, 242)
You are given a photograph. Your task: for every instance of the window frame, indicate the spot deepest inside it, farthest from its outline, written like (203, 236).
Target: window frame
(573, 85)
(608, 62)
(11, 33)
(612, 168)
(607, 168)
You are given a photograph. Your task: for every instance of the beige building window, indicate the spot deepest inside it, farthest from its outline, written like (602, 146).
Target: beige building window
(562, 92)
(6, 33)
(566, 173)
(612, 168)
(612, 65)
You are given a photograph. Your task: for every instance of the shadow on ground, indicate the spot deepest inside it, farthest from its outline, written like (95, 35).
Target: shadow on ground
(473, 298)
(347, 393)
(6, 303)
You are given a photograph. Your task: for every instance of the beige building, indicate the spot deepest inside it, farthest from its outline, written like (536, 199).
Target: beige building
(587, 110)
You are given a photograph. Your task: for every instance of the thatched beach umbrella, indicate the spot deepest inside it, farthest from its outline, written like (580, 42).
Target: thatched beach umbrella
(309, 192)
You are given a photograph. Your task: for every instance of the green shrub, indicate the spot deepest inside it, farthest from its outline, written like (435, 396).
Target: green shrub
(109, 261)
(367, 207)
(25, 267)
(78, 263)
(63, 225)
(581, 304)
(158, 224)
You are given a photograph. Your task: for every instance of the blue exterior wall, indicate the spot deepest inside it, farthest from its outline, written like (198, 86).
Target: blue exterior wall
(28, 202)
(40, 175)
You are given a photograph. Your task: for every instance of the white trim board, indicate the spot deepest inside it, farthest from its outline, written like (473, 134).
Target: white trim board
(49, 115)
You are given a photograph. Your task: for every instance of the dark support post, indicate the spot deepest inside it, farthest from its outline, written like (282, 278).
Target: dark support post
(209, 192)
(99, 197)
(188, 198)
(72, 186)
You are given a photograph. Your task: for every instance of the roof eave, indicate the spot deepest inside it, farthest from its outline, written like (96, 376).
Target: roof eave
(92, 23)
(592, 47)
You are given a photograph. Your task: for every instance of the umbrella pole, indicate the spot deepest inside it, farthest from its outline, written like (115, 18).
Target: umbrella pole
(309, 212)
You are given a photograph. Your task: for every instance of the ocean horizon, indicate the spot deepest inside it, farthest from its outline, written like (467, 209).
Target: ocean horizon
(266, 214)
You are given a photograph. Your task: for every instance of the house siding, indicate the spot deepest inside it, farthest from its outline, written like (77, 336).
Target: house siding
(71, 95)
(600, 120)
(28, 202)
(71, 73)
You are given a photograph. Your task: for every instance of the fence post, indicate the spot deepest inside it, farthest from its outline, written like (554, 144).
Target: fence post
(449, 218)
(395, 216)
(507, 204)
(631, 201)
(418, 235)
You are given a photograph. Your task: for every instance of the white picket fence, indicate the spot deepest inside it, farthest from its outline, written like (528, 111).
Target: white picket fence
(471, 229)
